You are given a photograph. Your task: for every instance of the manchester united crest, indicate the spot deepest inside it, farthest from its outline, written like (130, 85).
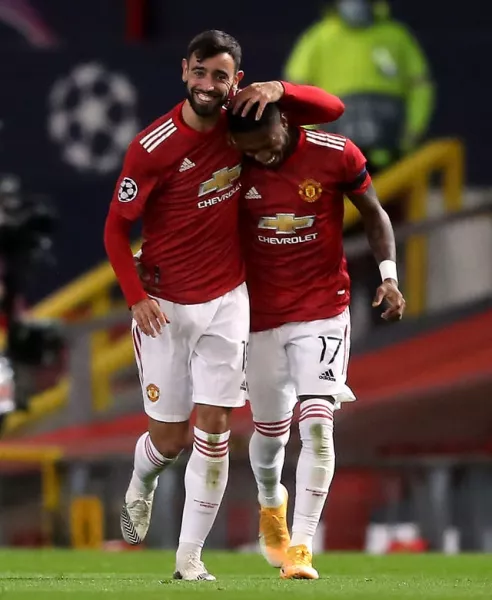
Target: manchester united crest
(153, 392)
(310, 190)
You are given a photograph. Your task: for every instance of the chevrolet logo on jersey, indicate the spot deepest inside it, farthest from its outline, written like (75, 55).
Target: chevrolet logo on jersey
(285, 223)
(221, 180)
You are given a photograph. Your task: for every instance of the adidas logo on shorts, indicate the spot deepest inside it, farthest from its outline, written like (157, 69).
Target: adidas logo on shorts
(186, 164)
(252, 194)
(328, 375)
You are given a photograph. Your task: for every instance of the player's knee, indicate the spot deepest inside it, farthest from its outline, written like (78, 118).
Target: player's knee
(170, 447)
(212, 419)
(317, 438)
(170, 439)
(316, 427)
(321, 438)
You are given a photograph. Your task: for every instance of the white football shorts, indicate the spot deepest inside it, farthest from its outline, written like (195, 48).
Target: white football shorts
(199, 358)
(296, 359)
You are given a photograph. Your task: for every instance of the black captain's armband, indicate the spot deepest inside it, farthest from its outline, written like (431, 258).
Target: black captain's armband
(356, 183)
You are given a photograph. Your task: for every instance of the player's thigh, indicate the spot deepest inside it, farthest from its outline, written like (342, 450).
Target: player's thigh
(318, 353)
(270, 390)
(218, 360)
(163, 367)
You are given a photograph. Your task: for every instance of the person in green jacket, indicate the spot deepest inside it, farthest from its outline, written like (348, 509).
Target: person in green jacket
(376, 66)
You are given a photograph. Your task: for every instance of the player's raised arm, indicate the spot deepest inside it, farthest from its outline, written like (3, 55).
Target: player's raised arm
(310, 105)
(359, 189)
(304, 104)
(134, 185)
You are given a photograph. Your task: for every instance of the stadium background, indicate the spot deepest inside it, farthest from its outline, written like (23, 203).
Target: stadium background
(414, 468)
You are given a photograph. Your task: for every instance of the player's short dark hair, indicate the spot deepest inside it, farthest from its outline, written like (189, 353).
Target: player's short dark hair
(212, 42)
(238, 124)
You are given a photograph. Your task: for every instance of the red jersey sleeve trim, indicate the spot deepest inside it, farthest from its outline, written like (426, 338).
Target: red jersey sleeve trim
(309, 105)
(117, 244)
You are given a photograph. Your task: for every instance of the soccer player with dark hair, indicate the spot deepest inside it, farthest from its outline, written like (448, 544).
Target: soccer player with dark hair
(294, 182)
(191, 316)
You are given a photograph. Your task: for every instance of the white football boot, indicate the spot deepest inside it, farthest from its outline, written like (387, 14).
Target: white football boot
(191, 568)
(135, 516)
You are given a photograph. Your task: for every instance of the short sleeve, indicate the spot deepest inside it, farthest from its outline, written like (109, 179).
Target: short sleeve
(356, 178)
(137, 180)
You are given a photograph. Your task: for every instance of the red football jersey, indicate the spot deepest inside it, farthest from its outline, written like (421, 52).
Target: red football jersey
(184, 185)
(292, 229)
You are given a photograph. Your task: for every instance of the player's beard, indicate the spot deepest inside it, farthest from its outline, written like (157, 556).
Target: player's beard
(210, 109)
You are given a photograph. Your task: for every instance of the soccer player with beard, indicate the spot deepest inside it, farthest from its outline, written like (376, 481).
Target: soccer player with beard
(294, 182)
(190, 324)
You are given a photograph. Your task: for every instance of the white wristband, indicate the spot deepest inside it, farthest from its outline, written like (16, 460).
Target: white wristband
(387, 268)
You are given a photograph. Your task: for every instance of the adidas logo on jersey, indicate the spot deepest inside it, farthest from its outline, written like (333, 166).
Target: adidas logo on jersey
(327, 375)
(186, 164)
(252, 194)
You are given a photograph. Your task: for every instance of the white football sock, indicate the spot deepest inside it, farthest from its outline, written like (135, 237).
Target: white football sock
(148, 464)
(205, 483)
(267, 455)
(315, 469)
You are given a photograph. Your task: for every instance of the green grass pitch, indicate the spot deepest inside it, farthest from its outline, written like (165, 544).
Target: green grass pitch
(142, 575)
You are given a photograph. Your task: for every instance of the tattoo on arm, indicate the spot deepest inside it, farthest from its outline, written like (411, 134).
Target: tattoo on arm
(377, 224)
